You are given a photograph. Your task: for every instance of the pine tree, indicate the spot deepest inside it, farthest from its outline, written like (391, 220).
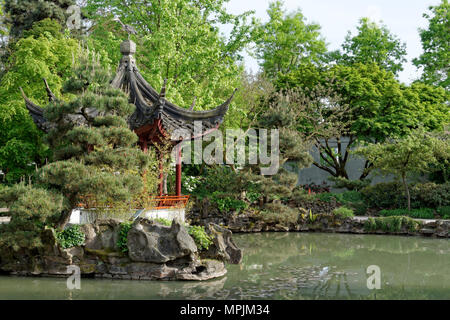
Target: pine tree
(96, 159)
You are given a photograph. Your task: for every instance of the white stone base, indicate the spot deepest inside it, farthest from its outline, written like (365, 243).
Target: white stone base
(169, 214)
(82, 216)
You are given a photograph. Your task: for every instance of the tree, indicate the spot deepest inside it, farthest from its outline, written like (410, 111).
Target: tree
(96, 158)
(4, 31)
(31, 209)
(435, 60)
(284, 111)
(411, 154)
(179, 41)
(21, 14)
(44, 53)
(287, 41)
(373, 44)
(368, 105)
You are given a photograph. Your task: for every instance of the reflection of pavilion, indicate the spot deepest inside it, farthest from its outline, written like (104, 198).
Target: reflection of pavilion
(154, 119)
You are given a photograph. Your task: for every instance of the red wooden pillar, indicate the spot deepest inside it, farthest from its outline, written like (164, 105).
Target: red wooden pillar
(178, 171)
(161, 175)
(144, 145)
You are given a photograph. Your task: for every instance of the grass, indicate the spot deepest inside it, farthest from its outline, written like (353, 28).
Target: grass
(424, 213)
(444, 212)
(391, 224)
(343, 212)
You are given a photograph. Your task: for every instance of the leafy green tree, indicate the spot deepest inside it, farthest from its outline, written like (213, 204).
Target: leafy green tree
(435, 59)
(44, 53)
(368, 105)
(21, 14)
(287, 41)
(4, 31)
(178, 40)
(3, 27)
(373, 43)
(411, 154)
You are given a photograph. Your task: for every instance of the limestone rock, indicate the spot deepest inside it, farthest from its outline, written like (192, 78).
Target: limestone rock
(153, 242)
(223, 247)
(103, 234)
(208, 270)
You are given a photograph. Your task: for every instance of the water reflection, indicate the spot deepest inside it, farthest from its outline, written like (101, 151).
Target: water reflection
(284, 266)
(330, 266)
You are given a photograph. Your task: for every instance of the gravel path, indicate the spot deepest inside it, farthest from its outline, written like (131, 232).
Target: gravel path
(423, 220)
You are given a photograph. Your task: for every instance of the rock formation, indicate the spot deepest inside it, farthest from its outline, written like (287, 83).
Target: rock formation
(155, 252)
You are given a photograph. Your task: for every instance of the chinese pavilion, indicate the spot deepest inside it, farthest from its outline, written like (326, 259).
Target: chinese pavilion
(154, 117)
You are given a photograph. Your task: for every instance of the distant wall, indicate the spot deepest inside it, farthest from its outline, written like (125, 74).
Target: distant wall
(354, 168)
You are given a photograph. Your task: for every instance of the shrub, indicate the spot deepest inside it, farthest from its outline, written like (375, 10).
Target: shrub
(165, 222)
(343, 198)
(31, 207)
(386, 195)
(349, 197)
(391, 224)
(198, 233)
(223, 179)
(326, 196)
(321, 188)
(71, 237)
(360, 208)
(225, 202)
(430, 195)
(122, 242)
(301, 196)
(424, 213)
(343, 212)
(253, 196)
(444, 212)
(279, 213)
(351, 185)
(201, 238)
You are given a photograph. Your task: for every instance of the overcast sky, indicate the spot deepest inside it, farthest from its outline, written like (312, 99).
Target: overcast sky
(337, 17)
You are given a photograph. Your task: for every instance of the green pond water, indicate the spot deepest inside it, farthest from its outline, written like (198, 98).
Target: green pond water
(284, 266)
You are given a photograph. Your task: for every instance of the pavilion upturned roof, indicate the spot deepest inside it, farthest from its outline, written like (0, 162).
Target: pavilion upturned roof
(151, 106)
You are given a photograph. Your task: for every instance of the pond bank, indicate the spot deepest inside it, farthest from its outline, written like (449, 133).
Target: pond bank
(331, 223)
(153, 252)
(283, 266)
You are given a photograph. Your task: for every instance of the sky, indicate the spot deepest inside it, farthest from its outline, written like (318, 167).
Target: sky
(402, 17)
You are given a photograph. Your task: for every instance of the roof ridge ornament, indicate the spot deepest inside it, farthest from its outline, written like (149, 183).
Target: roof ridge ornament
(50, 95)
(128, 47)
(162, 94)
(193, 104)
(126, 27)
(162, 100)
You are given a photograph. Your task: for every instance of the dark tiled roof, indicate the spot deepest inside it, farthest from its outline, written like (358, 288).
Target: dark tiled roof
(150, 105)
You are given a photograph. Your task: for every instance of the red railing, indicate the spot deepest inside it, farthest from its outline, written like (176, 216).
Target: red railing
(167, 202)
(152, 203)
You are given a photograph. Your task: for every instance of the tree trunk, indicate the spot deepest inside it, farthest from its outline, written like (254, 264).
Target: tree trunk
(405, 184)
(165, 191)
(64, 219)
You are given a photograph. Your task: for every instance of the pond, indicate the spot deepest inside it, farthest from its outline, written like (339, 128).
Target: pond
(284, 266)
